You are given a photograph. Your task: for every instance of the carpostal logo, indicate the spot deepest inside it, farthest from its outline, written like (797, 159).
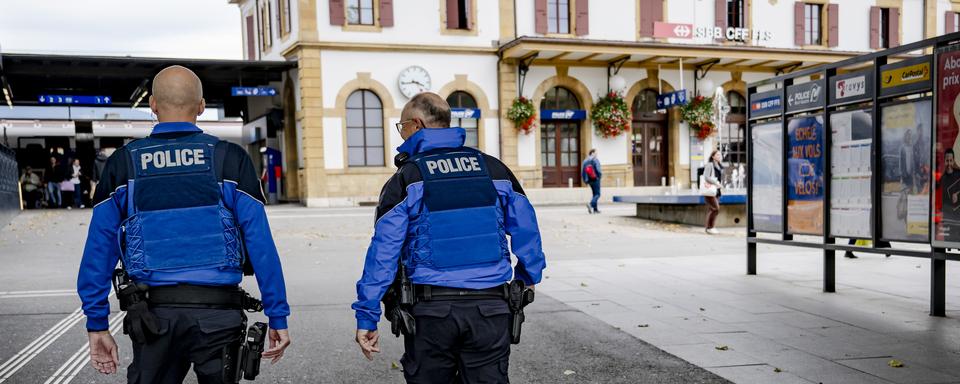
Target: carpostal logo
(562, 115)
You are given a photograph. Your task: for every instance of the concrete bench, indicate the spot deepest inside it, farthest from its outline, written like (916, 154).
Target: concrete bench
(688, 209)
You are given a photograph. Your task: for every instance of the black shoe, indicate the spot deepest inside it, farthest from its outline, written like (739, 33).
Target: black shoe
(589, 209)
(850, 255)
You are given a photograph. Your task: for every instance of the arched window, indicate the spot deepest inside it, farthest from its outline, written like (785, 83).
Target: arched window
(364, 130)
(645, 102)
(559, 139)
(559, 98)
(461, 99)
(738, 105)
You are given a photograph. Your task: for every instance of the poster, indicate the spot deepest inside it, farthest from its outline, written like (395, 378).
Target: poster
(767, 164)
(905, 167)
(850, 173)
(805, 175)
(946, 215)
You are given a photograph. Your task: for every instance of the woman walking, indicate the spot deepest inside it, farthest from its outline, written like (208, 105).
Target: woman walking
(712, 173)
(75, 175)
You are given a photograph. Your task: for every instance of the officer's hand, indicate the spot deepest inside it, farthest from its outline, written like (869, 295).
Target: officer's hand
(279, 341)
(103, 352)
(369, 342)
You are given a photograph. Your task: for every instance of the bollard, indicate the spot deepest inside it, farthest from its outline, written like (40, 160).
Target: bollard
(570, 182)
(663, 181)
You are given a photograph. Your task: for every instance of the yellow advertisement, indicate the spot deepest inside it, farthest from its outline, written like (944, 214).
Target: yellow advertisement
(905, 75)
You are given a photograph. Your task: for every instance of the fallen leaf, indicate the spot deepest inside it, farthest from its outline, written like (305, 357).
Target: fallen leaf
(643, 326)
(568, 372)
(895, 363)
(583, 284)
(777, 370)
(701, 309)
(721, 348)
(656, 307)
(394, 365)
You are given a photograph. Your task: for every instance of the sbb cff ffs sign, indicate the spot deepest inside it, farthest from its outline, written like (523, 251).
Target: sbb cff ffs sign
(687, 31)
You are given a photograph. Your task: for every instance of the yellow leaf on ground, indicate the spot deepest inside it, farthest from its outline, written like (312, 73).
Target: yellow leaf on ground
(722, 348)
(895, 363)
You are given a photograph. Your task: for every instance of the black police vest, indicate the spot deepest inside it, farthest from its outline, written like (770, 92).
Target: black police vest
(176, 218)
(464, 227)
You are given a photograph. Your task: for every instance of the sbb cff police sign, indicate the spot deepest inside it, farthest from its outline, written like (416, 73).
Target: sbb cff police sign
(765, 104)
(563, 114)
(253, 91)
(671, 99)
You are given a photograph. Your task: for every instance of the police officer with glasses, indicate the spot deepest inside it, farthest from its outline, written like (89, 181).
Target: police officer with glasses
(439, 257)
(183, 213)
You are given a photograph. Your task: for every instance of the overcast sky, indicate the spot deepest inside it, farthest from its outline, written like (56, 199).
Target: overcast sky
(207, 29)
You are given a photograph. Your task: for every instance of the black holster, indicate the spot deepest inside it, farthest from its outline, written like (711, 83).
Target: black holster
(519, 297)
(139, 323)
(398, 304)
(241, 359)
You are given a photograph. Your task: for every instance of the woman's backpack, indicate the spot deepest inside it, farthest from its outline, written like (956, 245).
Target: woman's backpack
(591, 172)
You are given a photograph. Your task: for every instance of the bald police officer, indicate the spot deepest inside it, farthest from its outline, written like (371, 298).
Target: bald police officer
(443, 220)
(187, 211)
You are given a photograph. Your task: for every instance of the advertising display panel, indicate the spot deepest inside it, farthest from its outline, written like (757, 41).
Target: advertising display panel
(850, 173)
(905, 132)
(946, 195)
(805, 175)
(905, 77)
(767, 168)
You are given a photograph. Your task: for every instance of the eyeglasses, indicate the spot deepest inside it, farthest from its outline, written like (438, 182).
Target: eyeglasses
(402, 123)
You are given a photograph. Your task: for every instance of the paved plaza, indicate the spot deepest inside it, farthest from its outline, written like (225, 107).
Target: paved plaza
(623, 301)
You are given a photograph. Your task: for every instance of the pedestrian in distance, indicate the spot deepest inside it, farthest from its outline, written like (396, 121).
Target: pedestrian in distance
(53, 176)
(189, 214)
(591, 174)
(75, 175)
(712, 173)
(32, 194)
(439, 256)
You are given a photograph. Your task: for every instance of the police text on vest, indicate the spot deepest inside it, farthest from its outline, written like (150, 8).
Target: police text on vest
(456, 164)
(172, 158)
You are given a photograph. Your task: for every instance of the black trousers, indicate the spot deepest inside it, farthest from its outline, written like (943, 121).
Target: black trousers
(462, 341)
(188, 336)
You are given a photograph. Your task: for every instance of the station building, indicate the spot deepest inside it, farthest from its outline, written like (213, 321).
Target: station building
(359, 61)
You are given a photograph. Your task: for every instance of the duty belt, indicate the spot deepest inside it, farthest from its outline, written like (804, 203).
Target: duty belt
(434, 293)
(198, 296)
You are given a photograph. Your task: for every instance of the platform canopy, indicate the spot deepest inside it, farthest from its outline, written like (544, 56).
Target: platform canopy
(27, 77)
(653, 55)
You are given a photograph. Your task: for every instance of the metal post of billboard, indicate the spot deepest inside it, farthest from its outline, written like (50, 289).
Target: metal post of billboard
(751, 246)
(829, 254)
(938, 282)
(784, 169)
(876, 156)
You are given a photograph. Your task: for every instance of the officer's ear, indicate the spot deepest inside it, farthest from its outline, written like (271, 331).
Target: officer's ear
(203, 105)
(153, 106)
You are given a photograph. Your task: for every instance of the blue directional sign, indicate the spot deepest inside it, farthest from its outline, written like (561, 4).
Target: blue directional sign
(464, 113)
(670, 99)
(253, 91)
(74, 99)
(563, 114)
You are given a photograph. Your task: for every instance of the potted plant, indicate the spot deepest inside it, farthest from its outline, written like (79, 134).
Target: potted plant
(523, 114)
(697, 113)
(610, 115)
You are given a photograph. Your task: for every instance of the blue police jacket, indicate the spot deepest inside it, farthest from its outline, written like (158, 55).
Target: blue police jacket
(180, 207)
(446, 215)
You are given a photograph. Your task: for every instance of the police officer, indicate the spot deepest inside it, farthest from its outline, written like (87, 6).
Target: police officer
(443, 219)
(187, 211)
